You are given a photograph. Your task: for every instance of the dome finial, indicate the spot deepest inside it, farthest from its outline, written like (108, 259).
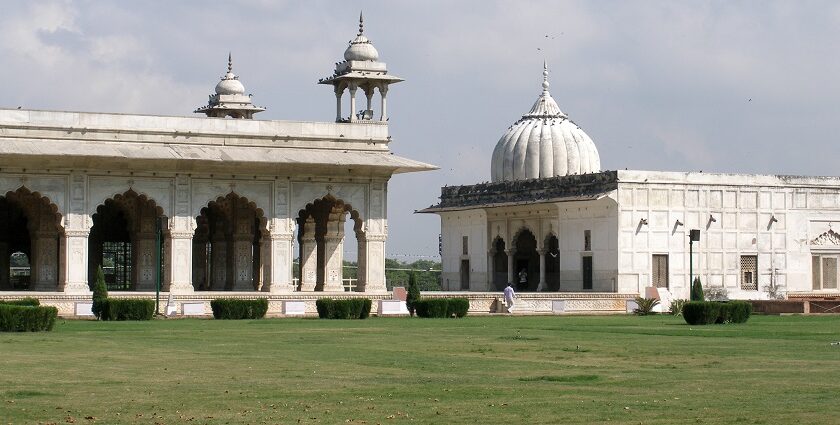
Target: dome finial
(230, 62)
(545, 83)
(361, 23)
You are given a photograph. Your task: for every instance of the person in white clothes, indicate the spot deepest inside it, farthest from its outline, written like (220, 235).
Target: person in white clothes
(509, 297)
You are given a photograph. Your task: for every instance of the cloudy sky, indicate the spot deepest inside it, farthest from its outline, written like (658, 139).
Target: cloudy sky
(747, 87)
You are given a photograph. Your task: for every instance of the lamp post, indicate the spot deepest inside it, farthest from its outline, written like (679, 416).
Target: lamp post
(158, 261)
(693, 236)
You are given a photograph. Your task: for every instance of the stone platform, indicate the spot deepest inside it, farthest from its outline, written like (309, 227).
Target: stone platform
(198, 304)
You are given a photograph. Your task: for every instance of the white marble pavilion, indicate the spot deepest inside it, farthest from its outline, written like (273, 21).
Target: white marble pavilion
(220, 198)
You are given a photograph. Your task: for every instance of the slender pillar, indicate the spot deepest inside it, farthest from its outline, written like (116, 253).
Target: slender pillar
(542, 284)
(491, 269)
(199, 273)
(75, 260)
(383, 91)
(510, 270)
(353, 103)
(338, 93)
(369, 96)
(308, 257)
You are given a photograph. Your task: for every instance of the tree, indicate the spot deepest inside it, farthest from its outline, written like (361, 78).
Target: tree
(697, 290)
(413, 294)
(100, 293)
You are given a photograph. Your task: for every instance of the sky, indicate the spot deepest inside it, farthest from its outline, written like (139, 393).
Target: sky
(728, 86)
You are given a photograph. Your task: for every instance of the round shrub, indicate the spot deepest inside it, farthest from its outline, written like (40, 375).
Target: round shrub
(127, 309)
(442, 307)
(701, 312)
(237, 309)
(353, 308)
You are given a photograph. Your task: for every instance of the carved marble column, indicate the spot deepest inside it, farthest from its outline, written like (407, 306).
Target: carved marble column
(338, 93)
(144, 252)
(280, 260)
(243, 258)
(218, 261)
(383, 92)
(372, 275)
(308, 257)
(542, 285)
(333, 262)
(199, 273)
(43, 265)
(510, 269)
(5, 282)
(179, 252)
(75, 260)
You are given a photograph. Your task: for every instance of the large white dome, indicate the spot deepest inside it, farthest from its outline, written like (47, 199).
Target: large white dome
(543, 143)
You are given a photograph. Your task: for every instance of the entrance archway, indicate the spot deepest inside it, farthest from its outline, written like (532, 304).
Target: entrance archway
(321, 240)
(122, 241)
(500, 264)
(30, 239)
(229, 246)
(526, 259)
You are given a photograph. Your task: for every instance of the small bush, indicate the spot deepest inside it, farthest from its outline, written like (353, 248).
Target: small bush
(708, 312)
(100, 293)
(443, 307)
(701, 312)
(353, 308)
(127, 309)
(413, 294)
(645, 306)
(677, 306)
(735, 312)
(697, 290)
(29, 301)
(236, 309)
(26, 318)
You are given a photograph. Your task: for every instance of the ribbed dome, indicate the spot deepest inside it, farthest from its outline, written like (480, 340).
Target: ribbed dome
(543, 143)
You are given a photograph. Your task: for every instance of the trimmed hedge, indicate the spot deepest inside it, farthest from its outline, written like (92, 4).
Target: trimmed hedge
(236, 309)
(353, 308)
(127, 309)
(442, 307)
(710, 312)
(25, 318)
(31, 302)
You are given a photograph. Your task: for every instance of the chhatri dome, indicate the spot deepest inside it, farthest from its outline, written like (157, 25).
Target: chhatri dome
(361, 49)
(543, 143)
(230, 99)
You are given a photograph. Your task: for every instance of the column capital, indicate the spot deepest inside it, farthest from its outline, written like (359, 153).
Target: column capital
(181, 235)
(77, 233)
(376, 238)
(542, 251)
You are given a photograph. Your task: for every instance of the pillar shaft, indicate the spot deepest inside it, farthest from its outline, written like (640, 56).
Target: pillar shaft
(384, 112)
(372, 264)
(542, 284)
(280, 260)
(179, 263)
(510, 270)
(218, 262)
(242, 258)
(338, 105)
(144, 253)
(333, 262)
(43, 267)
(352, 103)
(75, 261)
(5, 281)
(308, 264)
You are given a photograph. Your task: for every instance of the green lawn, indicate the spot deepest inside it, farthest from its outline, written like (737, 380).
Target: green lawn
(477, 370)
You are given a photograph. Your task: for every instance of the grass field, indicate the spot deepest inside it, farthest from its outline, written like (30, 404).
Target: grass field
(477, 370)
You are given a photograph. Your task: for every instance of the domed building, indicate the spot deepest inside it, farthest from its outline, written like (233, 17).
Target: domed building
(572, 237)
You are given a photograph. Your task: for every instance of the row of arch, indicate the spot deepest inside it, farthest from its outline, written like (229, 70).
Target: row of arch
(129, 232)
(525, 263)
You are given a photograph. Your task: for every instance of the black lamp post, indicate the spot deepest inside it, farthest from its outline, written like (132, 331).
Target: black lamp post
(693, 236)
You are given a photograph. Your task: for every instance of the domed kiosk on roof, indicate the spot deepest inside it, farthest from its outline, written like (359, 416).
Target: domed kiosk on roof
(543, 143)
(230, 99)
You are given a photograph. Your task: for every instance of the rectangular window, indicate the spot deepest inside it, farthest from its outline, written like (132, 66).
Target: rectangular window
(660, 271)
(587, 272)
(824, 270)
(465, 245)
(749, 280)
(829, 273)
(587, 240)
